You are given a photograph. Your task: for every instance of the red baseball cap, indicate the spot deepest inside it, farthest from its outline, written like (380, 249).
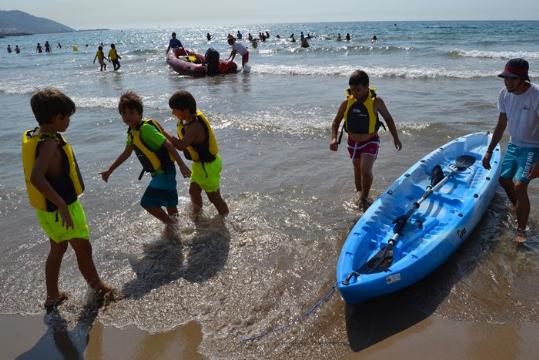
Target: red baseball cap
(516, 68)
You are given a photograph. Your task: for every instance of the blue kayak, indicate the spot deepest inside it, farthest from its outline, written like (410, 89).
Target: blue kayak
(378, 257)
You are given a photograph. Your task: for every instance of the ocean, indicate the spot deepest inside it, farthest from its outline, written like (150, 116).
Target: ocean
(292, 200)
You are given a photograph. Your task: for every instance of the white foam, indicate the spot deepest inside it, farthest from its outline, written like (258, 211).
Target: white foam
(377, 72)
(505, 55)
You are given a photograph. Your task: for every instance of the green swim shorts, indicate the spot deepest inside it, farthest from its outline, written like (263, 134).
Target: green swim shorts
(209, 176)
(51, 222)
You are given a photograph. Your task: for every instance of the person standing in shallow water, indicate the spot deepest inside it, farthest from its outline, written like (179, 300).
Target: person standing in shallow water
(360, 113)
(54, 184)
(518, 106)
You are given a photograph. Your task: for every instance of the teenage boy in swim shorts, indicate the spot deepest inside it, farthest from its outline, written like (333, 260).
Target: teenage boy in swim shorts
(53, 183)
(197, 140)
(518, 105)
(360, 113)
(156, 154)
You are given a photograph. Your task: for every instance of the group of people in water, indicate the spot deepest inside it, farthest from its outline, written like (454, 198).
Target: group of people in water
(112, 57)
(54, 181)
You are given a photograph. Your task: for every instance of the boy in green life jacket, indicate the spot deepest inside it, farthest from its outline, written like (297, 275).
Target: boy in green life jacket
(157, 155)
(54, 183)
(360, 113)
(197, 140)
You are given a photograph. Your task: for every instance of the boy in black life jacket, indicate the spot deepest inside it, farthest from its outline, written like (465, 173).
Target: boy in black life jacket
(197, 140)
(360, 113)
(157, 155)
(53, 183)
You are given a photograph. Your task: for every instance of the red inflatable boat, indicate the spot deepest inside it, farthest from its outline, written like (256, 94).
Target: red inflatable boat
(186, 62)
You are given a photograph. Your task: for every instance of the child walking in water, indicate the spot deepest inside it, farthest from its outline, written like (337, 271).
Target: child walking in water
(157, 155)
(100, 55)
(360, 113)
(114, 57)
(197, 140)
(53, 183)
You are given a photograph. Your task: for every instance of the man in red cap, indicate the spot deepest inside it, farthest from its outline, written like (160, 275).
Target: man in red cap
(518, 105)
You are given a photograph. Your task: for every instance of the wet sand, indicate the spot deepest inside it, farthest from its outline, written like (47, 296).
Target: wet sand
(28, 337)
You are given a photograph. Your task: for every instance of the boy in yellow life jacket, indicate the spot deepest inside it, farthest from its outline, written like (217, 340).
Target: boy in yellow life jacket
(360, 113)
(114, 57)
(53, 183)
(156, 155)
(100, 55)
(197, 140)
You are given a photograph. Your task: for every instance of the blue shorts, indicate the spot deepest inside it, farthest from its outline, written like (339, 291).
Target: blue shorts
(518, 162)
(161, 191)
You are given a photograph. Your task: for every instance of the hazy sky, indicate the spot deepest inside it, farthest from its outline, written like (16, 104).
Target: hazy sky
(166, 13)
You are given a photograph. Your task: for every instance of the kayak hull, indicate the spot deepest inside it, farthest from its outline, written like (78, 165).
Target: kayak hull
(440, 225)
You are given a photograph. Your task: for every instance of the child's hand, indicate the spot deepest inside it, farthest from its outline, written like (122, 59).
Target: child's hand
(67, 221)
(105, 175)
(186, 172)
(333, 145)
(397, 143)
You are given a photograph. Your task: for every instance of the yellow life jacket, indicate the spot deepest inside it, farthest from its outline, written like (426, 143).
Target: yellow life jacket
(204, 152)
(360, 118)
(68, 187)
(151, 161)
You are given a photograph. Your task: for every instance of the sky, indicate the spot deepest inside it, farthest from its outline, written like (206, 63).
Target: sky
(117, 14)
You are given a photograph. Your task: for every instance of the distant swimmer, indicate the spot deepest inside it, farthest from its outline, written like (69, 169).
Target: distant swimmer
(292, 38)
(309, 37)
(59, 46)
(174, 43)
(301, 36)
(278, 36)
(100, 56)
(47, 47)
(339, 37)
(239, 35)
(114, 57)
(250, 37)
(39, 49)
(9, 49)
(304, 43)
(17, 50)
(208, 36)
(348, 37)
(374, 39)
(267, 34)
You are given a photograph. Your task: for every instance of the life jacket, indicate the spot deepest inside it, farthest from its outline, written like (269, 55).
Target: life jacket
(152, 161)
(360, 118)
(69, 187)
(204, 152)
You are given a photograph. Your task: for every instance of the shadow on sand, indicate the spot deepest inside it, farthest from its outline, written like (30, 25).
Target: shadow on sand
(377, 319)
(59, 342)
(163, 260)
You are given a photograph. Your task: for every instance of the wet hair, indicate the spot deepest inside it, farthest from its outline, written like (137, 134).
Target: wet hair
(130, 100)
(359, 77)
(231, 41)
(183, 100)
(100, 48)
(173, 34)
(50, 102)
(112, 46)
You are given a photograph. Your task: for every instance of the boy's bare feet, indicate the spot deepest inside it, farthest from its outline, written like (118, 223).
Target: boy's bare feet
(52, 303)
(520, 236)
(365, 203)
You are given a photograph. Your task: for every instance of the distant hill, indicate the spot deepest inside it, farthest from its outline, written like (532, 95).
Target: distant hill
(13, 22)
